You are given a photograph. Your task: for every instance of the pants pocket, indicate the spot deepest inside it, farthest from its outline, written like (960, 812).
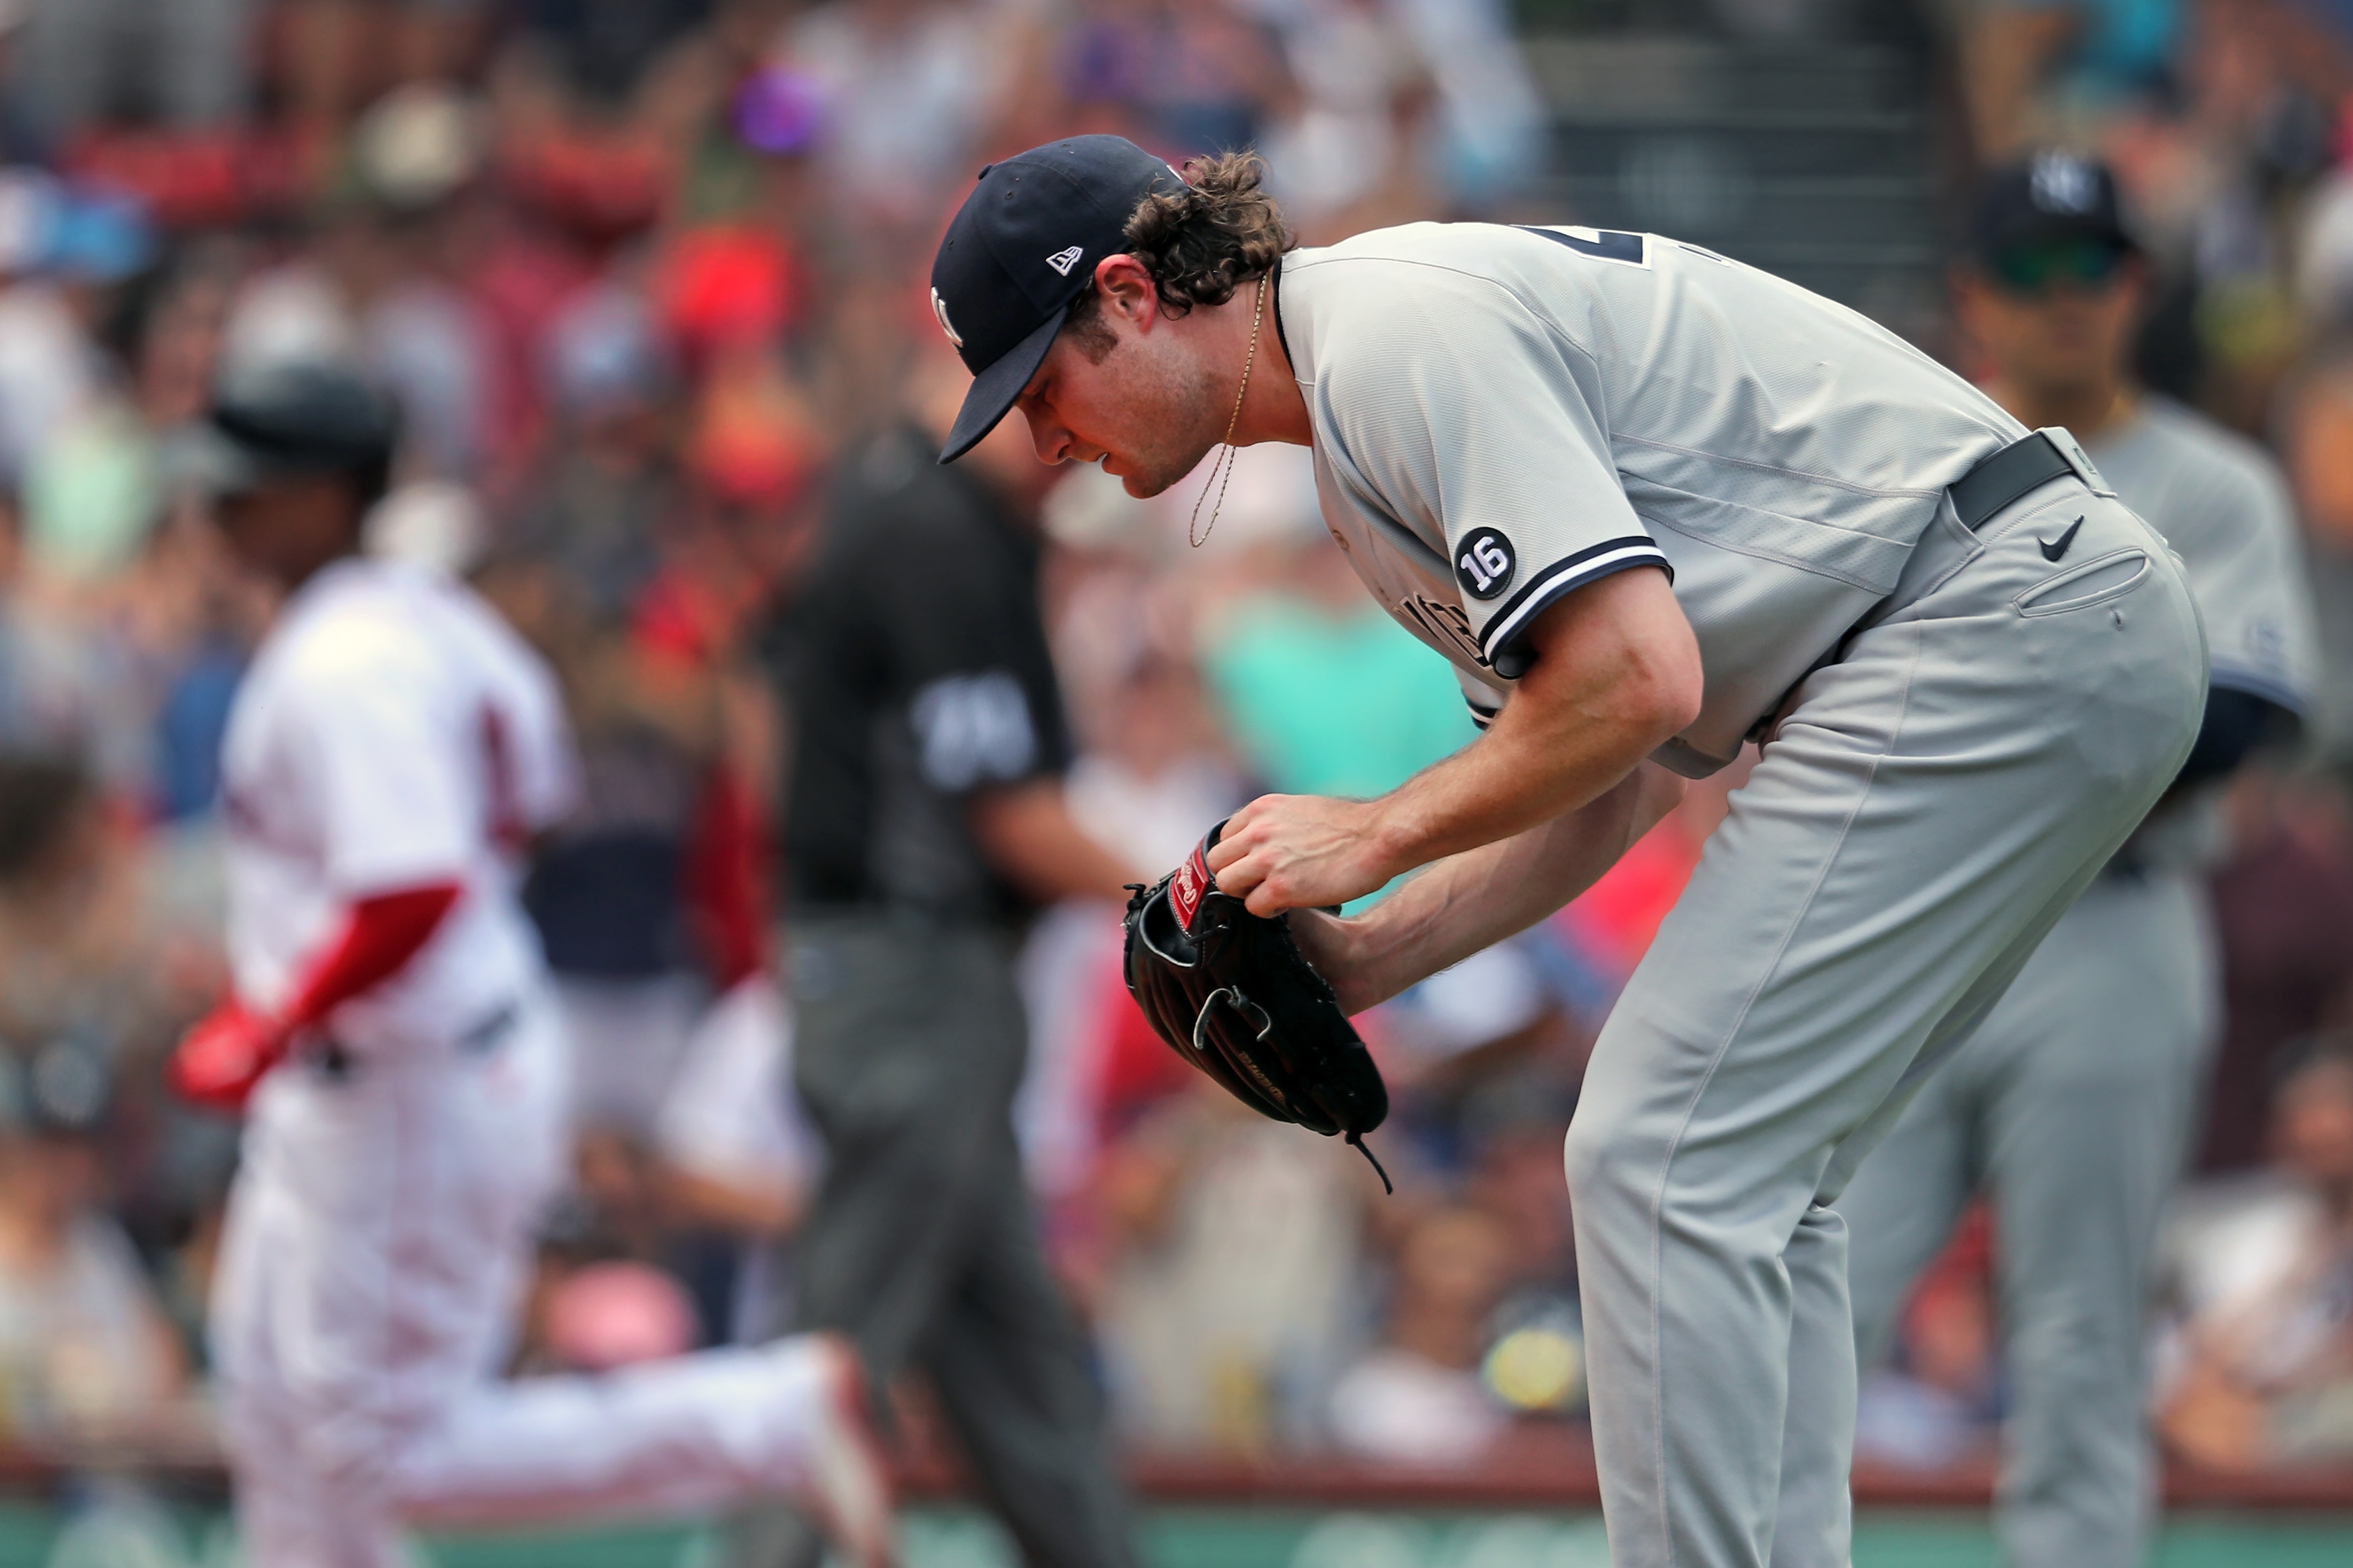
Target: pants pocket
(2090, 583)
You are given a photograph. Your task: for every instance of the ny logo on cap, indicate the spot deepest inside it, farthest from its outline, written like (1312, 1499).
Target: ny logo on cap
(1062, 261)
(940, 309)
(2063, 183)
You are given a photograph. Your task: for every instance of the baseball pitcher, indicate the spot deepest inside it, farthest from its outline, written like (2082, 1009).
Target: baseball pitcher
(1652, 503)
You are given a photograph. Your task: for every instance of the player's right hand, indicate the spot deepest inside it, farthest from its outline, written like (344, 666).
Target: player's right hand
(223, 1056)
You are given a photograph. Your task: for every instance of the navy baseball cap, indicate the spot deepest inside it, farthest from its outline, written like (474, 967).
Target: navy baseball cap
(1023, 246)
(2053, 196)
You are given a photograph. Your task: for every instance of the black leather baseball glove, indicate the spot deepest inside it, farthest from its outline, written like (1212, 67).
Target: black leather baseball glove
(1231, 993)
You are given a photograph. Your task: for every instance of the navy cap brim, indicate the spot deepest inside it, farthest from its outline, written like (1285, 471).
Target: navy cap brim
(990, 396)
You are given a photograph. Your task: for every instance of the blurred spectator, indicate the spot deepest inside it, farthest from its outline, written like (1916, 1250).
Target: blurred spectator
(87, 1355)
(379, 287)
(1362, 124)
(1183, 80)
(85, 1352)
(638, 570)
(610, 889)
(1939, 1403)
(1490, 129)
(1323, 693)
(2284, 908)
(2262, 1276)
(607, 476)
(735, 1153)
(2316, 436)
(1407, 110)
(600, 49)
(83, 62)
(2030, 63)
(1419, 1398)
(911, 89)
(1234, 1278)
(50, 372)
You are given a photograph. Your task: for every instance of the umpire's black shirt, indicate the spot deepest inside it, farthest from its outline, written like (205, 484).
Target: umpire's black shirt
(915, 673)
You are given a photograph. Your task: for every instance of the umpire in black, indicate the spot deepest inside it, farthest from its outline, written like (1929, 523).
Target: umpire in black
(924, 823)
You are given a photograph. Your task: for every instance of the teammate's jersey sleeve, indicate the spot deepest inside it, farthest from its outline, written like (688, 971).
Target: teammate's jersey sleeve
(2247, 572)
(394, 806)
(2223, 506)
(1455, 412)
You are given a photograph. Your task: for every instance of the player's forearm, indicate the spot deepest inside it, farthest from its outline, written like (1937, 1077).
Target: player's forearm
(220, 1060)
(382, 936)
(1471, 901)
(1617, 674)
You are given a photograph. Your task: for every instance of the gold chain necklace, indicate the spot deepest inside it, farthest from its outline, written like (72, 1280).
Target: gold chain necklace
(1223, 467)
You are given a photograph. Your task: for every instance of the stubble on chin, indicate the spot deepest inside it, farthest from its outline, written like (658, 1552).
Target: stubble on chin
(1178, 420)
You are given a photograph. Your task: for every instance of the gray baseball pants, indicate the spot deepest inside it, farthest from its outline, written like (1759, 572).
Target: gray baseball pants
(2070, 1109)
(1928, 807)
(923, 1245)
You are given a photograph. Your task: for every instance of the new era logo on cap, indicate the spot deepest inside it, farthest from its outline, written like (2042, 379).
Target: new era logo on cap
(1062, 261)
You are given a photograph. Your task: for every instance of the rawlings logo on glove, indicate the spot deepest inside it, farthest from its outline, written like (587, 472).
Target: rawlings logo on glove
(1232, 993)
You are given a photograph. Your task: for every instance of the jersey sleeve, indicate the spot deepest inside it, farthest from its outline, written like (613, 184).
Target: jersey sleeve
(1464, 417)
(2244, 564)
(1485, 701)
(396, 806)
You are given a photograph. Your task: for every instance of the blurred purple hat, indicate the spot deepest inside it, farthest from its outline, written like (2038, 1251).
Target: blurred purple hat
(780, 112)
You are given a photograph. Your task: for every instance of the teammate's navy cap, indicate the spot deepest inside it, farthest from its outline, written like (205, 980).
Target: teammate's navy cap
(1023, 246)
(2052, 196)
(284, 418)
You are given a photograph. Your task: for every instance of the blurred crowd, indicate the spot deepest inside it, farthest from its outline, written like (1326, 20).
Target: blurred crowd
(643, 275)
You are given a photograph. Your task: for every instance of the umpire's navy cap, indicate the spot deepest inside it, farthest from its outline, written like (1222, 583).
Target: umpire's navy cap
(289, 417)
(1023, 246)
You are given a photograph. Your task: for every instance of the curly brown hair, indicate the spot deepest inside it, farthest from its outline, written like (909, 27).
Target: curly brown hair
(1200, 244)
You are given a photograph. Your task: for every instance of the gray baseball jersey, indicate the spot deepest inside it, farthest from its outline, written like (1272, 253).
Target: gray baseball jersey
(2223, 506)
(1503, 414)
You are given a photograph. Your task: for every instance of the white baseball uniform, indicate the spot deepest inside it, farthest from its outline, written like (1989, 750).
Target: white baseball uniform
(2072, 1106)
(1973, 710)
(392, 733)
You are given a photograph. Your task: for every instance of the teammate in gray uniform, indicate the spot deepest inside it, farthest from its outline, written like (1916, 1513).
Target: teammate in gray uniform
(2071, 1105)
(1649, 502)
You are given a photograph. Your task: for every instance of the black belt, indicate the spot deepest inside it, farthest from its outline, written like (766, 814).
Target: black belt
(335, 1061)
(1998, 480)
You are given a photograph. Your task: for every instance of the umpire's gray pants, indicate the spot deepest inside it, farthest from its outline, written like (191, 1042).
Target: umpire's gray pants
(1927, 809)
(909, 1041)
(2070, 1107)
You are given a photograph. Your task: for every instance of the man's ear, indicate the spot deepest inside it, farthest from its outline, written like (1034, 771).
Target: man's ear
(1128, 290)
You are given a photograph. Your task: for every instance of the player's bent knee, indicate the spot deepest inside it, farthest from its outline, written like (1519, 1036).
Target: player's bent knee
(1601, 1162)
